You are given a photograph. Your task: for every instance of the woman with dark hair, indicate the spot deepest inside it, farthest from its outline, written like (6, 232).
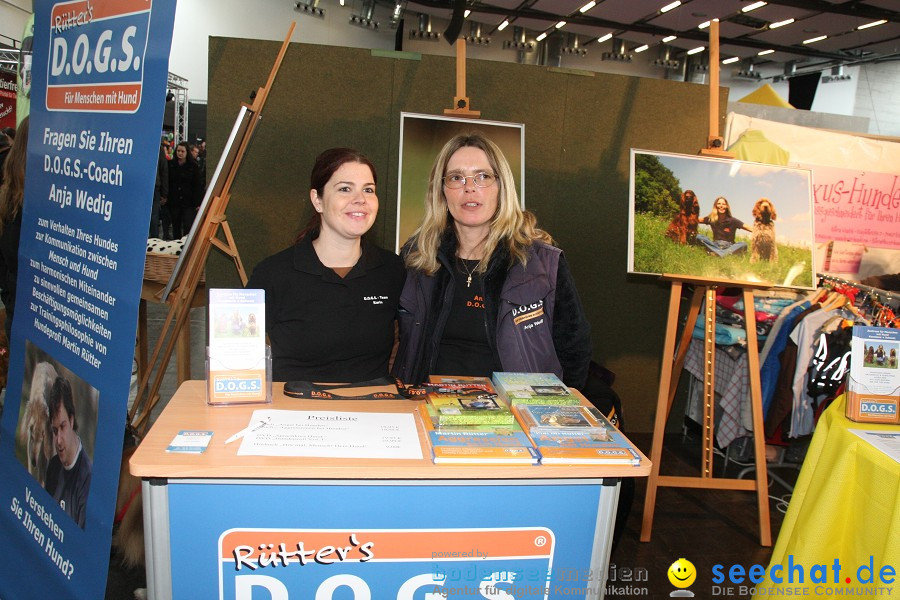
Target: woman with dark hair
(724, 227)
(332, 297)
(486, 289)
(185, 190)
(12, 196)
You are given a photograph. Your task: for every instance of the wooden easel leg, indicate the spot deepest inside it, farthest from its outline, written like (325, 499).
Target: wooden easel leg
(759, 447)
(662, 409)
(683, 345)
(183, 352)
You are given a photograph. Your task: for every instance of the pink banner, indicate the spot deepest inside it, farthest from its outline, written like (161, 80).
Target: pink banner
(856, 206)
(7, 99)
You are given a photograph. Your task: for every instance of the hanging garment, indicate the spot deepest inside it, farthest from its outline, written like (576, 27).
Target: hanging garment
(830, 363)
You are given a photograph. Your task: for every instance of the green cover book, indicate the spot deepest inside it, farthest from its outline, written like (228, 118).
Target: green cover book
(484, 409)
(533, 388)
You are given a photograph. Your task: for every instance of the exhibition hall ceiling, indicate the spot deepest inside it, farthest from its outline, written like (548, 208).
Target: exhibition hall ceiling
(803, 33)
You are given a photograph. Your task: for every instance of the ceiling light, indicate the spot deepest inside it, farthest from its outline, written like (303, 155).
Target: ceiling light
(753, 6)
(466, 14)
(872, 24)
(560, 24)
(669, 38)
(764, 52)
(670, 6)
(815, 39)
(703, 25)
(503, 25)
(541, 37)
(733, 59)
(641, 48)
(587, 6)
(696, 50)
(780, 23)
(603, 38)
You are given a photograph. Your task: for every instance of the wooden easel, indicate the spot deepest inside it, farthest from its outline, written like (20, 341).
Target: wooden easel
(672, 367)
(671, 372)
(461, 101)
(181, 296)
(714, 142)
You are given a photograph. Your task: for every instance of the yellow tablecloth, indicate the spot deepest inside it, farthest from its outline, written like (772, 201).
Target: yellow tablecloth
(845, 506)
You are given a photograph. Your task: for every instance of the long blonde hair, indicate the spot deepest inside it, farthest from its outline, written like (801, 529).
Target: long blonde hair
(511, 227)
(12, 192)
(714, 215)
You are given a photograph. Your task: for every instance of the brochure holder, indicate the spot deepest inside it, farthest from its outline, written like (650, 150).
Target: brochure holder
(873, 385)
(863, 406)
(226, 386)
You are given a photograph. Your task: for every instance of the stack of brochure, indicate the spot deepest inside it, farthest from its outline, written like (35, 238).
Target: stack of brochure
(466, 423)
(575, 435)
(466, 401)
(477, 444)
(550, 419)
(533, 388)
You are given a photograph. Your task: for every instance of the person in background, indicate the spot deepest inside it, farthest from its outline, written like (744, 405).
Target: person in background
(486, 290)
(201, 158)
(185, 190)
(724, 227)
(7, 135)
(12, 197)
(160, 192)
(69, 470)
(332, 297)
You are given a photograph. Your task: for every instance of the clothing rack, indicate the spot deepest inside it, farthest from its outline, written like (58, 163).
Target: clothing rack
(886, 295)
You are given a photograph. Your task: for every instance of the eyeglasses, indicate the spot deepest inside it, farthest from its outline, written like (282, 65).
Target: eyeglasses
(456, 181)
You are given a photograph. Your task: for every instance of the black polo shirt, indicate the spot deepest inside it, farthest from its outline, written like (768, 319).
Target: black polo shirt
(326, 328)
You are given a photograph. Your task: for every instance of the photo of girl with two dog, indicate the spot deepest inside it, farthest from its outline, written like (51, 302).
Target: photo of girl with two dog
(720, 219)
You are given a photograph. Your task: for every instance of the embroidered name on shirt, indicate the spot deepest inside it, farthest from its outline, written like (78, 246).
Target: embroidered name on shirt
(528, 312)
(375, 299)
(476, 302)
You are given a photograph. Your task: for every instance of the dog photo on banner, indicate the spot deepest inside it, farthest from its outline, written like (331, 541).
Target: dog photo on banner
(722, 219)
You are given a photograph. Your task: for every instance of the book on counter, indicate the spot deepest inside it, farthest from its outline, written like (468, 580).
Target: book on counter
(610, 448)
(533, 388)
(460, 385)
(477, 444)
(550, 419)
(468, 406)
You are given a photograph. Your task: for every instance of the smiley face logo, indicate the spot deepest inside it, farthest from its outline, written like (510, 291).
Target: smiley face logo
(682, 573)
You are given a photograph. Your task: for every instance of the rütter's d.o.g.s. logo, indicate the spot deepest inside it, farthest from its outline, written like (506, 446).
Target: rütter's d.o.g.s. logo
(96, 55)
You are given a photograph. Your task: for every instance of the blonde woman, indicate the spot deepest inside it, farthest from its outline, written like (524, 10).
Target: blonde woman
(485, 288)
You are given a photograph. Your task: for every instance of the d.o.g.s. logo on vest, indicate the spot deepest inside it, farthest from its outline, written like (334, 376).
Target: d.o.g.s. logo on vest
(529, 315)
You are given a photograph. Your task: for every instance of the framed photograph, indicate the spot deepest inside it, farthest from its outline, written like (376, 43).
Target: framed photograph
(421, 139)
(716, 218)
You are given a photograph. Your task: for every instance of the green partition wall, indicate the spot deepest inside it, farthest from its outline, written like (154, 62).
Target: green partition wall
(579, 127)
